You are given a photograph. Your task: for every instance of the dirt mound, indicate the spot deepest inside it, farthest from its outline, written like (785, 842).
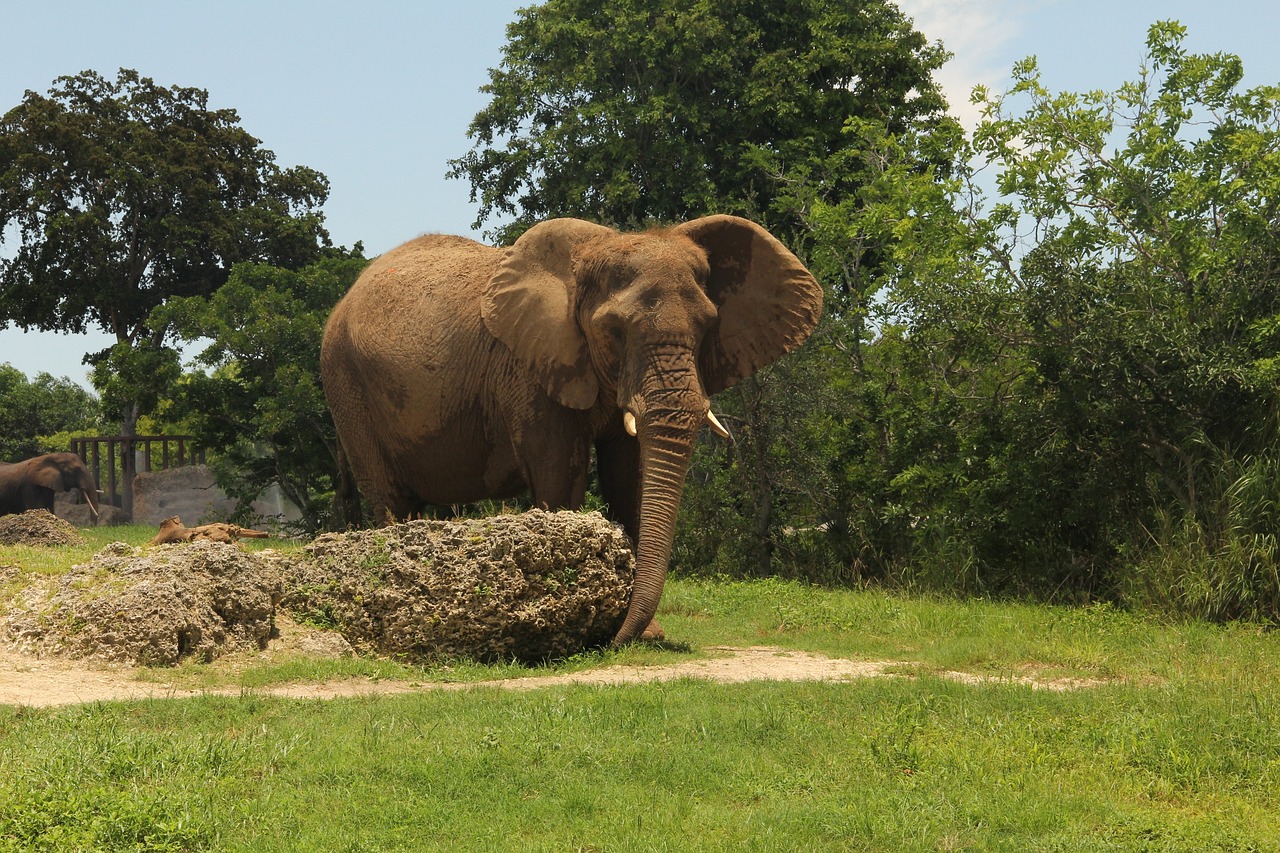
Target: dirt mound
(528, 587)
(37, 527)
(154, 608)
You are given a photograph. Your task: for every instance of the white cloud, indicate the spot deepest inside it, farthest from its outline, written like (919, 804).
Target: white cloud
(979, 34)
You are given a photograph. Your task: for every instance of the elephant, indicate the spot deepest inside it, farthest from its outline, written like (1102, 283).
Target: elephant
(31, 484)
(457, 371)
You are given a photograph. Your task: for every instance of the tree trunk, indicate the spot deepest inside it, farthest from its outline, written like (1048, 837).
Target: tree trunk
(128, 456)
(754, 441)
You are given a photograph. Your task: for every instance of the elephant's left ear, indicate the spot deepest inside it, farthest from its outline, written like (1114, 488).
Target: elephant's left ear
(768, 301)
(529, 305)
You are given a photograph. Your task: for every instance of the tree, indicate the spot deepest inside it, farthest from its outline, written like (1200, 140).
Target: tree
(655, 111)
(260, 403)
(124, 194)
(1149, 310)
(31, 411)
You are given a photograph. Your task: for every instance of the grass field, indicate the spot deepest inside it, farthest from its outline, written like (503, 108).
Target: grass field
(1176, 746)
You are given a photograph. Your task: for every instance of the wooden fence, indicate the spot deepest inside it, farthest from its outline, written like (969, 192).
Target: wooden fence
(115, 459)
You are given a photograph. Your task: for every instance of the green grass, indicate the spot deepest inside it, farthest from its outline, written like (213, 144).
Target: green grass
(1179, 749)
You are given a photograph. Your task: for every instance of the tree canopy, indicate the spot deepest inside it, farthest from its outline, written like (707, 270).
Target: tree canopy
(258, 401)
(631, 112)
(32, 411)
(116, 195)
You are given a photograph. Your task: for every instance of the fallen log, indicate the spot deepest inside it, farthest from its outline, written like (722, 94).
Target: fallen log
(173, 530)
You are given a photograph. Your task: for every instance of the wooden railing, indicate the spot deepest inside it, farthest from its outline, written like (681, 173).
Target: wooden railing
(133, 454)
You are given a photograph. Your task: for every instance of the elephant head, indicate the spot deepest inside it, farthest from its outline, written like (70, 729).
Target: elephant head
(62, 472)
(643, 328)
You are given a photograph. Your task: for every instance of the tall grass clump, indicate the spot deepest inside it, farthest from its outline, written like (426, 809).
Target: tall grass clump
(1218, 559)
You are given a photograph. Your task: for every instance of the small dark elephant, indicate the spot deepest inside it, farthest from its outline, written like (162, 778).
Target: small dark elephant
(33, 483)
(457, 371)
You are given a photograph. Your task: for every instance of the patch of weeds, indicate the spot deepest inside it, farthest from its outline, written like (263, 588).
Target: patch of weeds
(376, 560)
(320, 615)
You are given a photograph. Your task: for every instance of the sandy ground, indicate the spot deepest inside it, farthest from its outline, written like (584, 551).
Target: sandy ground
(40, 682)
(43, 682)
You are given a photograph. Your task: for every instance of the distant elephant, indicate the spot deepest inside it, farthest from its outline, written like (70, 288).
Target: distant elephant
(457, 371)
(33, 483)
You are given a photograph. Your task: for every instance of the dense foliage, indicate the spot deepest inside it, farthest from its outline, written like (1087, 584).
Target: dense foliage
(1071, 391)
(256, 397)
(35, 414)
(1063, 383)
(123, 194)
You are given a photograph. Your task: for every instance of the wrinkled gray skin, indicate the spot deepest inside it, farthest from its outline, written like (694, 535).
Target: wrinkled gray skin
(457, 371)
(32, 484)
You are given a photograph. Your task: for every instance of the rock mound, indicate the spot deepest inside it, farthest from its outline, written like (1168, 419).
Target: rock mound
(528, 587)
(37, 527)
(155, 608)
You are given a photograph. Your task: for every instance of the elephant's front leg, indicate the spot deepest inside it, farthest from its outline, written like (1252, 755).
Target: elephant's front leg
(618, 467)
(554, 459)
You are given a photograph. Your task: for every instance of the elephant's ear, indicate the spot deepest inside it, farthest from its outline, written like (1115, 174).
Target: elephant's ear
(529, 305)
(45, 472)
(768, 301)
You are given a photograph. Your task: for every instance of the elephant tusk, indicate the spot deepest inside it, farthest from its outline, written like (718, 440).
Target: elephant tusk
(717, 426)
(629, 423)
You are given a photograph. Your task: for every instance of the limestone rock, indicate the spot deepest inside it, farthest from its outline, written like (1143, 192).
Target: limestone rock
(528, 587)
(37, 527)
(155, 608)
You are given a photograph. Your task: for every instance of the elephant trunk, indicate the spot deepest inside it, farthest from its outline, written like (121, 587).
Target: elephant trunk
(667, 427)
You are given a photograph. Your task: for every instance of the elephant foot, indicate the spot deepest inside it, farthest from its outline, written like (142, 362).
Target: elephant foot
(653, 633)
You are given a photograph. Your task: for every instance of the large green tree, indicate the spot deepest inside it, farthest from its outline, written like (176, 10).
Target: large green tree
(116, 195)
(655, 111)
(256, 396)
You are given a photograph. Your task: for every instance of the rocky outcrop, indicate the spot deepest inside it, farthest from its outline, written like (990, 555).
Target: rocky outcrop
(154, 608)
(528, 587)
(37, 527)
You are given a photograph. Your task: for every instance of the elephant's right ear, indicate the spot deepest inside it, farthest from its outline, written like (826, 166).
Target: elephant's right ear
(44, 471)
(529, 304)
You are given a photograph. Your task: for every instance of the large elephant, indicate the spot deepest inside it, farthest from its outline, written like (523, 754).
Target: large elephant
(31, 484)
(457, 371)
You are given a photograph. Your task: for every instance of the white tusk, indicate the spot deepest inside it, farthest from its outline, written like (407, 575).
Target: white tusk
(717, 426)
(629, 423)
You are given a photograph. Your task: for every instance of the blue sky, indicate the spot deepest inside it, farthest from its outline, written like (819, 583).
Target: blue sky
(378, 95)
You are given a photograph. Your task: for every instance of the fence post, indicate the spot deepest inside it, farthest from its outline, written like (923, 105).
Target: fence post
(121, 493)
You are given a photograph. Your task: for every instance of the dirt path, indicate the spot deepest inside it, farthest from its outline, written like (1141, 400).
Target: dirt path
(46, 682)
(36, 682)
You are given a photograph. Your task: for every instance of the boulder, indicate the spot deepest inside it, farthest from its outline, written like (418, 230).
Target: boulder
(189, 491)
(155, 608)
(528, 587)
(71, 506)
(37, 527)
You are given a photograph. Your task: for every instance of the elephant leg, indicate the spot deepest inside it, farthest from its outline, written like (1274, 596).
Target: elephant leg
(388, 500)
(618, 466)
(558, 480)
(554, 454)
